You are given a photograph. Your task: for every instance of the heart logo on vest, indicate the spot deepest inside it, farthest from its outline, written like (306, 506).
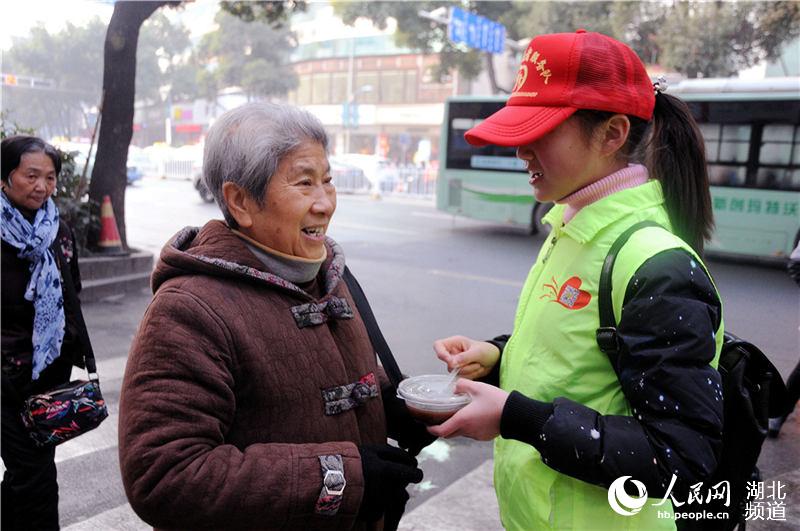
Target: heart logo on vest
(570, 295)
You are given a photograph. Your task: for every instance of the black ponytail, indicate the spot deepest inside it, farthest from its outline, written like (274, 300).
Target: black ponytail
(672, 148)
(675, 155)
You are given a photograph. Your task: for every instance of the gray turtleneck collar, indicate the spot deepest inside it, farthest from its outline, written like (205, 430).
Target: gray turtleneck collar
(292, 268)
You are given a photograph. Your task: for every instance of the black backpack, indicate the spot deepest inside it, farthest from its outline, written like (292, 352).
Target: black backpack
(752, 391)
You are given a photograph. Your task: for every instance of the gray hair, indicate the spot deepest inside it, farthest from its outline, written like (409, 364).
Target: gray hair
(246, 144)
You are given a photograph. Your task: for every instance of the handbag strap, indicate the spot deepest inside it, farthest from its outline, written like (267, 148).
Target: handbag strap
(83, 334)
(374, 331)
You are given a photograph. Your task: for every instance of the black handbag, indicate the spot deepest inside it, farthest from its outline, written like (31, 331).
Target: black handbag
(71, 409)
(65, 412)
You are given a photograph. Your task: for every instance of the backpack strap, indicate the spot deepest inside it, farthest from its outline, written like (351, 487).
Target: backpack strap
(374, 331)
(607, 338)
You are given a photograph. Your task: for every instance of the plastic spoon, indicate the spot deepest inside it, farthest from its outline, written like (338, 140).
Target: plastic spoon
(451, 382)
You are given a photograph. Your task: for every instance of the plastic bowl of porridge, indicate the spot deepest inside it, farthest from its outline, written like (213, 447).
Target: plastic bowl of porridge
(429, 399)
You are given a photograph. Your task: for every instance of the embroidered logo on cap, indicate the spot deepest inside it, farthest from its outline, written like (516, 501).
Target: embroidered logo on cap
(535, 60)
(522, 76)
(533, 57)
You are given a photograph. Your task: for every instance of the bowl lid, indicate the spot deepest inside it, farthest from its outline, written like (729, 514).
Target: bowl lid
(431, 389)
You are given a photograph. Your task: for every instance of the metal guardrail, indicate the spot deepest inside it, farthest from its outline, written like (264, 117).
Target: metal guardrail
(178, 169)
(410, 180)
(351, 182)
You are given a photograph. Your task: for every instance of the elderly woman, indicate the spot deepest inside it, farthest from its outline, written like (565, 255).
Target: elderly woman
(40, 324)
(234, 411)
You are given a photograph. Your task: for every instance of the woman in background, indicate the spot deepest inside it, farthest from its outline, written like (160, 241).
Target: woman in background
(39, 328)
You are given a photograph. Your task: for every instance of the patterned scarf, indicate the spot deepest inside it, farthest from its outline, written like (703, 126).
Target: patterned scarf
(44, 288)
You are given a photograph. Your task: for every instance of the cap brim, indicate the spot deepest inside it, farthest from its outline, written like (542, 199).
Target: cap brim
(517, 125)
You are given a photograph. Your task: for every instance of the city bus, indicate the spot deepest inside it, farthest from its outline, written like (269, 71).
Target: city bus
(752, 136)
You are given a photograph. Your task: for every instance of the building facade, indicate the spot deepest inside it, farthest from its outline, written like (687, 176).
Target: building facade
(372, 96)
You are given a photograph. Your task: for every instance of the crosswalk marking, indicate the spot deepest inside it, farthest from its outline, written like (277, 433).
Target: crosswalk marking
(120, 518)
(101, 438)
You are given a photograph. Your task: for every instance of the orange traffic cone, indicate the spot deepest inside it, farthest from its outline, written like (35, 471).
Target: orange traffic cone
(109, 241)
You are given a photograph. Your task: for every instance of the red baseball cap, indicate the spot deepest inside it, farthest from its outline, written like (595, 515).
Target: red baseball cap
(561, 73)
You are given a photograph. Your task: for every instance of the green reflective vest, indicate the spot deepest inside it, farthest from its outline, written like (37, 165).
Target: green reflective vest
(553, 353)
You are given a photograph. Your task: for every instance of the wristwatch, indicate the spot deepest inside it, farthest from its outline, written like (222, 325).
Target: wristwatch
(333, 484)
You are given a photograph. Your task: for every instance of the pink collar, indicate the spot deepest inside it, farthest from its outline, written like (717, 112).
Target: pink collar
(630, 177)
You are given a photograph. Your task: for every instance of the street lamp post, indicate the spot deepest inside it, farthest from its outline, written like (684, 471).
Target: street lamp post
(352, 108)
(166, 96)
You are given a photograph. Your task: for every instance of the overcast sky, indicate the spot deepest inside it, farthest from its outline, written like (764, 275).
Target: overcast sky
(17, 17)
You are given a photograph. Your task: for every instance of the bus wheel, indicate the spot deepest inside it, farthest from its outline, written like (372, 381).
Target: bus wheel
(539, 211)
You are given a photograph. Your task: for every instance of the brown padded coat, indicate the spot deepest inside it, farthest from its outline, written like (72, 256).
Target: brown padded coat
(222, 417)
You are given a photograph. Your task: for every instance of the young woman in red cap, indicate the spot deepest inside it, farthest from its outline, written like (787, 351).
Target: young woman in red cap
(611, 150)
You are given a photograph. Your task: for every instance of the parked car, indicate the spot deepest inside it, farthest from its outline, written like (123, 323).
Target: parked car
(134, 174)
(137, 166)
(200, 186)
(380, 171)
(348, 177)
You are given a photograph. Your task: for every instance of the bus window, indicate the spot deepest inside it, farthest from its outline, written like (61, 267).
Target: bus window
(776, 145)
(460, 155)
(720, 175)
(711, 137)
(735, 143)
(726, 143)
(777, 179)
(780, 147)
(794, 180)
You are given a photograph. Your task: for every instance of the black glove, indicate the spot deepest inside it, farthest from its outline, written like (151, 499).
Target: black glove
(387, 471)
(409, 433)
(397, 506)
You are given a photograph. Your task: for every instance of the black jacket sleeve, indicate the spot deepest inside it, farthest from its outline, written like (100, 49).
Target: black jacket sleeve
(670, 315)
(493, 378)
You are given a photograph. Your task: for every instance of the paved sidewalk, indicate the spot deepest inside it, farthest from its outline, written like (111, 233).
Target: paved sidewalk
(468, 503)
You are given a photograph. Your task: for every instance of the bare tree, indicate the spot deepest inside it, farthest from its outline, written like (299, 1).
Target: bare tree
(116, 116)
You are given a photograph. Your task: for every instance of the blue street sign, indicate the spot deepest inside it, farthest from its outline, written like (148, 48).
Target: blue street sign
(476, 31)
(499, 38)
(457, 29)
(486, 28)
(473, 31)
(350, 115)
